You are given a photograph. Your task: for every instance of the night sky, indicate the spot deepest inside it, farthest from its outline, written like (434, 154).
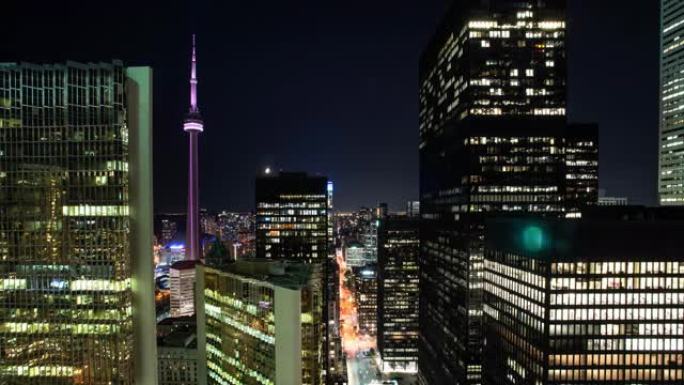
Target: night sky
(330, 87)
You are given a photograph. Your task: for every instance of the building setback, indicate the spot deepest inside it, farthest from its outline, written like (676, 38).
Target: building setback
(262, 322)
(671, 140)
(76, 224)
(584, 301)
(292, 224)
(398, 248)
(493, 139)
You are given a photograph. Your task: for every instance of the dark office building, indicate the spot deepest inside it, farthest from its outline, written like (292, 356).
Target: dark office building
(581, 167)
(493, 137)
(366, 295)
(398, 248)
(292, 217)
(590, 301)
(168, 226)
(337, 368)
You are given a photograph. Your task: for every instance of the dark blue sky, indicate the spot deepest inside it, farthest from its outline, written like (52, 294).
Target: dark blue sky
(331, 87)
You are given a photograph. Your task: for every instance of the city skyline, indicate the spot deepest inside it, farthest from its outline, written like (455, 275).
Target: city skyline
(354, 134)
(455, 192)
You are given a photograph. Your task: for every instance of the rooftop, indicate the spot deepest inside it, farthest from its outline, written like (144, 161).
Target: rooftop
(587, 239)
(291, 275)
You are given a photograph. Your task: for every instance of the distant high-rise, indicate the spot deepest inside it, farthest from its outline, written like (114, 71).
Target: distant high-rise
(292, 224)
(182, 288)
(493, 138)
(580, 167)
(356, 254)
(398, 248)
(76, 278)
(413, 208)
(671, 143)
(588, 301)
(292, 217)
(193, 125)
(208, 223)
(263, 323)
(170, 227)
(366, 298)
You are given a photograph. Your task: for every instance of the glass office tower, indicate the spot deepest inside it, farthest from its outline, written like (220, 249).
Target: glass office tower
(398, 248)
(492, 125)
(671, 143)
(262, 322)
(76, 224)
(594, 301)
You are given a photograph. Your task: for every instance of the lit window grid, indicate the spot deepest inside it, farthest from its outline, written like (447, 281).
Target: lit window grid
(399, 322)
(634, 319)
(671, 176)
(240, 333)
(177, 366)
(63, 140)
(295, 227)
(532, 88)
(241, 330)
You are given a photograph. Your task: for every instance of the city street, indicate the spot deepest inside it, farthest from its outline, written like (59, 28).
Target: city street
(361, 370)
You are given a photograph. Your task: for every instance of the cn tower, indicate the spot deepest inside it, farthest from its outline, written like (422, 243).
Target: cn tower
(193, 125)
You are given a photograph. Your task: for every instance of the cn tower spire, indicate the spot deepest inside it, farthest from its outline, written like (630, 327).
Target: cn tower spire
(193, 125)
(193, 78)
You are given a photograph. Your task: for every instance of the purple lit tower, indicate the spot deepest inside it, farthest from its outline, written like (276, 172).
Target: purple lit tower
(193, 125)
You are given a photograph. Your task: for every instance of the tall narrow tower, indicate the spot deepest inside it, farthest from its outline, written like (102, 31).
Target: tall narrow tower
(193, 125)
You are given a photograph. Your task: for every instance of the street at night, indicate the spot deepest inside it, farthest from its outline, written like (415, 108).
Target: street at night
(361, 369)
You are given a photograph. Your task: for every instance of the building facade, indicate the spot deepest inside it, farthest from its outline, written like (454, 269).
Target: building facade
(671, 140)
(581, 160)
(356, 254)
(398, 249)
(178, 355)
(493, 139)
(366, 298)
(613, 201)
(263, 323)
(182, 288)
(76, 224)
(583, 302)
(292, 217)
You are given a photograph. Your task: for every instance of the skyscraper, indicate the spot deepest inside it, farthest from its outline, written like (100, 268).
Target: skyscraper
(398, 248)
(671, 143)
(182, 276)
(492, 123)
(263, 323)
(366, 299)
(581, 158)
(193, 125)
(292, 217)
(76, 278)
